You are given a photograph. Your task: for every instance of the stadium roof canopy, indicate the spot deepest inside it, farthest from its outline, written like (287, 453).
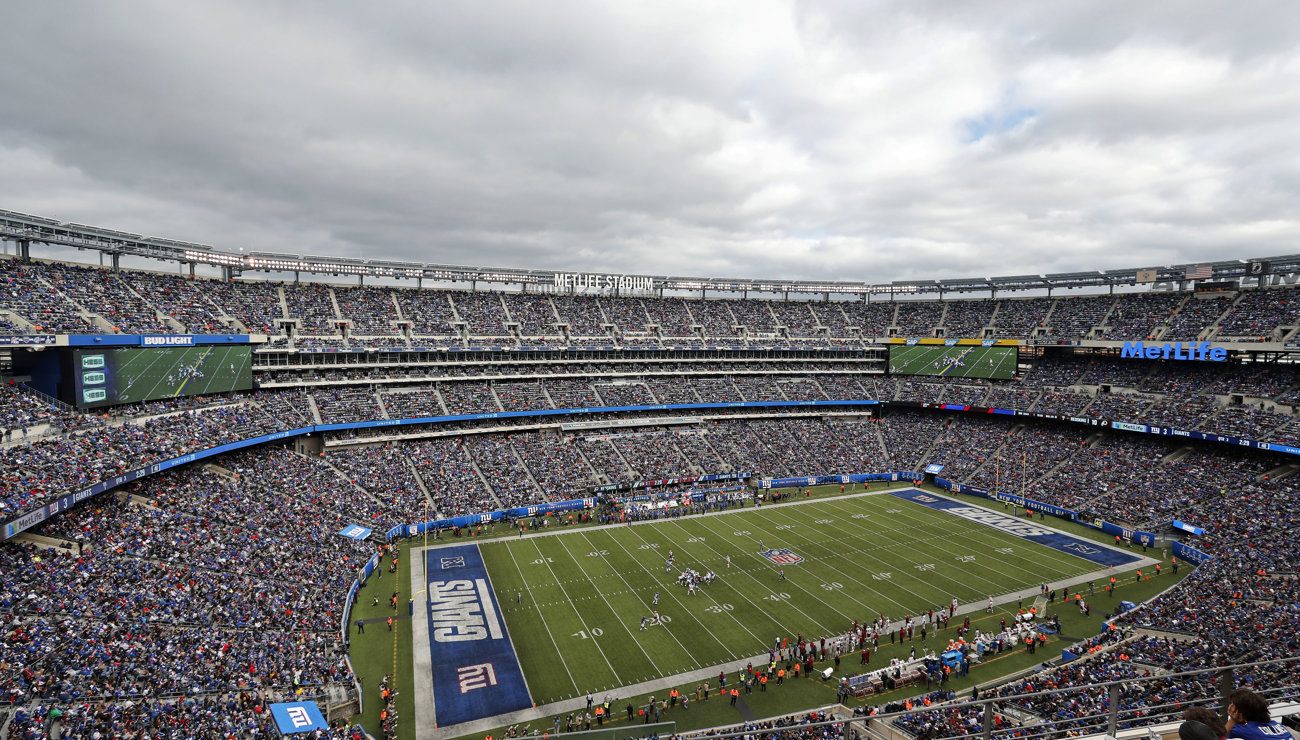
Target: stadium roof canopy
(22, 227)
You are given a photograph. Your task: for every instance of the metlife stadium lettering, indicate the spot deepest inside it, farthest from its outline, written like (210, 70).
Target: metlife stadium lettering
(1175, 351)
(596, 281)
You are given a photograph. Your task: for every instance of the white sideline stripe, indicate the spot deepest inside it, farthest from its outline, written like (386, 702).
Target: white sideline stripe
(770, 587)
(581, 620)
(978, 535)
(545, 624)
(612, 610)
(926, 526)
(679, 601)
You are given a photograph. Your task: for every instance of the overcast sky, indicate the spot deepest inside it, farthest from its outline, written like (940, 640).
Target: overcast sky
(855, 140)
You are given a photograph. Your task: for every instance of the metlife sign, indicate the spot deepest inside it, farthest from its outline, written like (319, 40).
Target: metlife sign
(1174, 351)
(597, 281)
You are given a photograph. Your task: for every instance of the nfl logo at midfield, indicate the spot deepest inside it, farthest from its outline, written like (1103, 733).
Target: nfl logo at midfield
(782, 556)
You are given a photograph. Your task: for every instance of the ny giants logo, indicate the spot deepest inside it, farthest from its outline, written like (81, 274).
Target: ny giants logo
(478, 676)
(782, 556)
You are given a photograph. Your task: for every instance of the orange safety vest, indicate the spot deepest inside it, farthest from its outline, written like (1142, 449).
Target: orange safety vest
(735, 692)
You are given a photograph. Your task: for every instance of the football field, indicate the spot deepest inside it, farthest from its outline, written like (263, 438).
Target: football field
(959, 361)
(153, 373)
(574, 602)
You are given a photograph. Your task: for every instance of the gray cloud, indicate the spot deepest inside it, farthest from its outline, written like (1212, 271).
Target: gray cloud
(872, 141)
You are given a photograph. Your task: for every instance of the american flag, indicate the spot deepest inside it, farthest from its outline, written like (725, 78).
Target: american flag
(1200, 272)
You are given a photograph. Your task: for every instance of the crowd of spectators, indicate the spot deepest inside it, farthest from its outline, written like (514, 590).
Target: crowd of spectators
(28, 294)
(189, 612)
(967, 395)
(429, 312)
(1257, 314)
(1021, 317)
(875, 318)
(1197, 315)
(344, 405)
(232, 533)
(556, 464)
(468, 397)
(918, 318)
(798, 317)
(387, 474)
(312, 304)
(968, 318)
(184, 300)
(1075, 317)
(509, 479)
(109, 295)
(715, 316)
(532, 312)
(1139, 315)
(755, 316)
(370, 310)
(828, 315)
(448, 474)
(482, 311)
(605, 458)
(670, 315)
(583, 315)
(59, 296)
(624, 394)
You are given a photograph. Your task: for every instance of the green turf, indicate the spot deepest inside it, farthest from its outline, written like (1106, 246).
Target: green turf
(373, 655)
(156, 372)
(978, 362)
(585, 592)
(378, 652)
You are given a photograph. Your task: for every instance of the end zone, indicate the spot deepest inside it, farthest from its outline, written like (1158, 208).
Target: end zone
(472, 665)
(1069, 544)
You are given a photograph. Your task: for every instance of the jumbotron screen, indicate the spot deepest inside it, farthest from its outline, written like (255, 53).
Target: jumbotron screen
(112, 376)
(968, 361)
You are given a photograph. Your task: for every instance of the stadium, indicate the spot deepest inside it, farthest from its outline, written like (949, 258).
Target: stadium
(419, 500)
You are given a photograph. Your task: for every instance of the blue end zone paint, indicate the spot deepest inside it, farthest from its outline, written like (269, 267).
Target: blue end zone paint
(475, 671)
(1021, 528)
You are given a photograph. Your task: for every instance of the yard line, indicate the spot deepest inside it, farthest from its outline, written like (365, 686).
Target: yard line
(684, 649)
(626, 629)
(582, 621)
(983, 534)
(900, 543)
(980, 536)
(678, 600)
(759, 609)
(204, 356)
(524, 579)
(161, 356)
(865, 586)
(867, 553)
(769, 587)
